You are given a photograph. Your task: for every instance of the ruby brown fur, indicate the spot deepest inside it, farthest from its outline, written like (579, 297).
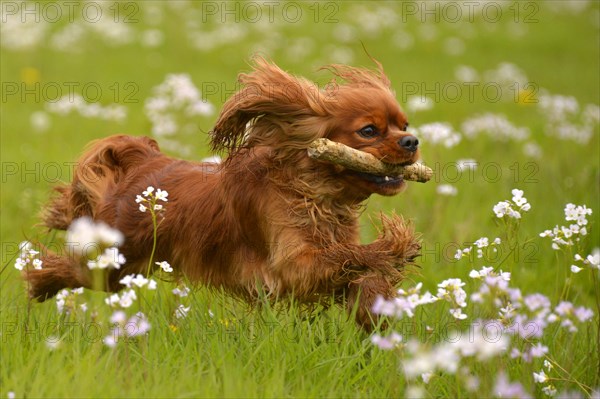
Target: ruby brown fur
(269, 218)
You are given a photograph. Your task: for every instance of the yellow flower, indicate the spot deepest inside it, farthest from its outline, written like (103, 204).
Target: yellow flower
(228, 322)
(30, 75)
(527, 96)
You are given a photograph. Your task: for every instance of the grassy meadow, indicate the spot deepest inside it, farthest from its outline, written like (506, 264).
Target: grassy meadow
(503, 95)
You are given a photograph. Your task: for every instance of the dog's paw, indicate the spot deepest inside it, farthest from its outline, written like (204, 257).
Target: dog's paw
(398, 240)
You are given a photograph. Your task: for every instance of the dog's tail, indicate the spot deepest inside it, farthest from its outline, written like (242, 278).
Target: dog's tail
(104, 164)
(100, 168)
(57, 272)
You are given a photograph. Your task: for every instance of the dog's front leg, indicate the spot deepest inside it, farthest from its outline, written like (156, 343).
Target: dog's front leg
(396, 247)
(363, 271)
(360, 271)
(361, 296)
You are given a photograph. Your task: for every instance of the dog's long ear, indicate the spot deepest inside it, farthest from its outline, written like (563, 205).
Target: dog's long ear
(263, 110)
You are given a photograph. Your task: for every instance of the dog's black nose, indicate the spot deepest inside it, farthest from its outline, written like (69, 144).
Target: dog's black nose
(409, 143)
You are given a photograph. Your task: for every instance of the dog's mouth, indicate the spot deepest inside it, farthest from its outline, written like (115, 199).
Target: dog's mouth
(381, 184)
(380, 180)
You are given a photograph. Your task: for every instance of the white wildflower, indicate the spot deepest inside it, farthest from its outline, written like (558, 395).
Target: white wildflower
(86, 234)
(505, 389)
(437, 133)
(451, 291)
(404, 303)
(52, 342)
(110, 340)
(161, 195)
(76, 103)
(148, 191)
(593, 260)
(538, 350)
(518, 198)
(447, 189)
(28, 256)
(496, 127)
(127, 298)
(181, 292)
(577, 213)
(513, 208)
(137, 325)
(446, 356)
(481, 344)
(181, 311)
(126, 281)
(118, 317)
(483, 242)
(501, 209)
(540, 377)
(419, 103)
(66, 300)
(486, 271)
(466, 164)
(174, 108)
(20, 264)
(466, 73)
(112, 300)
(567, 235)
(139, 280)
(426, 377)
(458, 314)
(165, 266)
(458, 255)
(110, 258)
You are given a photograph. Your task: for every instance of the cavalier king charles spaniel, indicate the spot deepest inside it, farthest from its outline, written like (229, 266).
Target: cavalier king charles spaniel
(268, 219)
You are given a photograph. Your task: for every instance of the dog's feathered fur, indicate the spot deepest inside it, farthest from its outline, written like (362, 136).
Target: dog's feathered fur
(268, 218)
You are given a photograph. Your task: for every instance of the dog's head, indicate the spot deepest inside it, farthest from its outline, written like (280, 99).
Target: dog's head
(286, 113)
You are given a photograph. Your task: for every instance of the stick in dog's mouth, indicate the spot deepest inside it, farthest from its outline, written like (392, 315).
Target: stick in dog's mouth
(340, 154)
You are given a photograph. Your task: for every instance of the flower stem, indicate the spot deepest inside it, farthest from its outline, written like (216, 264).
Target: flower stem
(597, 295)
(98, 280)
(154, 239)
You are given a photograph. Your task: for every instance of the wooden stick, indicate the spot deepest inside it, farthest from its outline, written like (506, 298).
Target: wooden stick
(340, 154)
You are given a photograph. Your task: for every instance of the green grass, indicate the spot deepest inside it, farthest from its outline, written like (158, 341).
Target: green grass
(284, 351)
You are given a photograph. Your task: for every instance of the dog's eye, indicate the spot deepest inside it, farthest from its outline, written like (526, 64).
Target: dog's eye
(368, 131)
(405, 127)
